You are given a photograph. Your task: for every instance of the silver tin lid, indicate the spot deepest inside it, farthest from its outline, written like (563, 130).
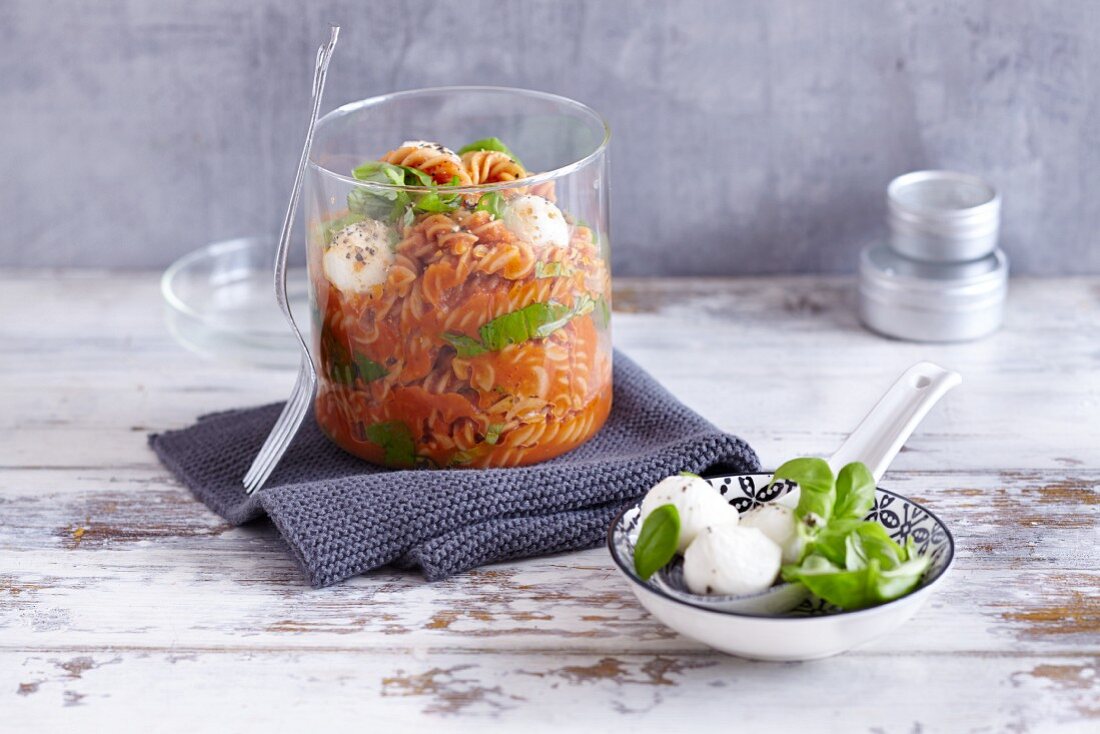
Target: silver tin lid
(923, 301)
(943, 216)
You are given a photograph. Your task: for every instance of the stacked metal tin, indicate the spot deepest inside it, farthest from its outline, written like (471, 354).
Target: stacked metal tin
(941, 277)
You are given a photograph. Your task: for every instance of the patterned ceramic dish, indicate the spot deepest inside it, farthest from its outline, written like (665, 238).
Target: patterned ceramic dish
(811, 629)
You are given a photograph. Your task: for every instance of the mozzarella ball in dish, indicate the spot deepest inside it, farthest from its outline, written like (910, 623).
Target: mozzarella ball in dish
(536, 220)
(779, 524)
(698, 503)
(730, 559)
(359, 257)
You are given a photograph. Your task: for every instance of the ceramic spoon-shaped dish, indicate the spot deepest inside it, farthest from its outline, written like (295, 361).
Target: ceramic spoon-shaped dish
(783, 623)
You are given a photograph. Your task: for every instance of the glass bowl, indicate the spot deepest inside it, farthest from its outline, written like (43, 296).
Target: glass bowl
(461, 299)
(221, 303)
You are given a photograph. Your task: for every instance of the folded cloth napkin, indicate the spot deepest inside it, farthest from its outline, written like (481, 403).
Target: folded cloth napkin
(342, 516)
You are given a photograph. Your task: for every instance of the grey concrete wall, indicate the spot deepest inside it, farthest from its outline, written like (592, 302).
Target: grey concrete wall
(750, 137)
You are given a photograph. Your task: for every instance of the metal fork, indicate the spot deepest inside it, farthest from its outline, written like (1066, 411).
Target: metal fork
(290, 420)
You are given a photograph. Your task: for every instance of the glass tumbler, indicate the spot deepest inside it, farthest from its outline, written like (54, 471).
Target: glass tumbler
(457, 243)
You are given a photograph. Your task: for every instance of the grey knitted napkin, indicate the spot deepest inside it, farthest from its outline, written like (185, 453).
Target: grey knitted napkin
(342, 516)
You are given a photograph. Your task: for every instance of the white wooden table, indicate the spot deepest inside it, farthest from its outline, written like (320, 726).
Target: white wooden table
(125, 604)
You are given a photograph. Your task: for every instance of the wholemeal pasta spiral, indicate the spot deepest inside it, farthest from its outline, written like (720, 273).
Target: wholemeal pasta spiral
(491, 166)
(438, 162)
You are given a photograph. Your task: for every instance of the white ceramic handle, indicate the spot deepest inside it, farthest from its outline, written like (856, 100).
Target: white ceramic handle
(877, 440)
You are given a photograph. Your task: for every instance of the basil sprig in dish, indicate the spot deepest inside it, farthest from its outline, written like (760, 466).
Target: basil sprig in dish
(847, 561)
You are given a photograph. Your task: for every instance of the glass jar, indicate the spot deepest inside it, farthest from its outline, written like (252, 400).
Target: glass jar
(461, 300)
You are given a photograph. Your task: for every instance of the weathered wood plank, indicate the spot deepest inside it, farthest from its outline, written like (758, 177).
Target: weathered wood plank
(460, 691)
(1009, 519)
(189, 600)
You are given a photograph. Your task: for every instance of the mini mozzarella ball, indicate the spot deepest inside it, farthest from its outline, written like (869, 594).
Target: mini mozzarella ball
(779, 524)
(429, 144)
(731, 559)
(359, 257)
(536, 220)
(698, 503)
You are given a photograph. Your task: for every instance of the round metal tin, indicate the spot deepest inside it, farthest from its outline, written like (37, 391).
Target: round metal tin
(943, 216)
(932, 302)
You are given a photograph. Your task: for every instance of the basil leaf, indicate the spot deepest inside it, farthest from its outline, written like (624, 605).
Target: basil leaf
(875, 543)
(552, 270)
(867, 580)
(897, 582)
(602, 314)
(466, 346)
(534, 321)
(855, 491)
(368, 369)
(493, 202)
(330, 228)
(815, 480)
(394, 205)
(433, 202)
(492, 433)
(489, 144)
(846, 589)
(396, 439)
(373, 205)
(415, 177)
(831, 542)
(346, 366)
(657, 540)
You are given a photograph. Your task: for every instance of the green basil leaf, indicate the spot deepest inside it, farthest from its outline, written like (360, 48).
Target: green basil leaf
(846, 589)
(346, 366)
(831, 542)
(368, 369)
(492, 202)
(371, 205)
(876, 543)
(602, 314)
(466, 346)
(330, 228)
(552, 270)
(583, 305)
(342, 373)
(379, 172)
(855, 556)
(489, 144)
(433, 202)
(815, 480)
(657, 540)
(855, 491)
(415, 177)
(396, 439)
(534, 321)
(856, 588)
(897, 582)
(492, 433)
(391, 205)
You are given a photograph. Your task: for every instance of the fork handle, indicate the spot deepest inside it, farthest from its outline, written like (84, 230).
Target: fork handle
(324, 55)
